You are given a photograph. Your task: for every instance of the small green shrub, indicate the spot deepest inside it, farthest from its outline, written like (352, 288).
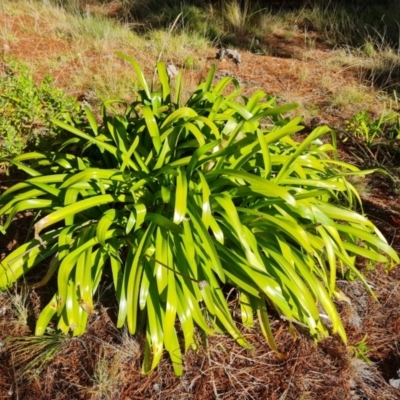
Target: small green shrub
(26, 110)
(181, 203)
(372, 131)
(378, 142)
(190, 62)
(361, 350)
(368, 49)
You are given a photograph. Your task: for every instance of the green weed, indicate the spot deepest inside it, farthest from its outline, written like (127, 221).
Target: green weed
(386, 127)
(26, 110)
(361, 350)
(190, 62)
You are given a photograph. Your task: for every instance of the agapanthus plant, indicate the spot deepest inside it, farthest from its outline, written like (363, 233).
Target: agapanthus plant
(179, 203)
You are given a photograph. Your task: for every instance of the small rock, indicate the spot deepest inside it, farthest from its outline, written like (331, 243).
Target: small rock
(6, 47)
(395, 383)
(156, 387)
(220, 54)
(172, 71)
(232, 54)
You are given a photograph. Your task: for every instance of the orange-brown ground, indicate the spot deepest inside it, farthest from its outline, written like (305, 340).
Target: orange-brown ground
(295, 69)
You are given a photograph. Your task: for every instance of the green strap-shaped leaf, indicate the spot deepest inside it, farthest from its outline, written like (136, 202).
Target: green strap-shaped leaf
(366, 253)
(265, 153)
(119, 280)
(28, 183)
(108, 218)
(180, 197)
(161, 255)
(206, 208)
(26, 195)
(71, 315)
(246, 114)
(23, 259)
(181, 113)
(32, 204)
(330, 252)
(21, 166)
(155, 325)
(163, 77)
(186, 320)
(232, 217)
(68, 265)
(258, 182)
(273, 111)
(77, 207)
(322, 295)
(170, 313)
(138, 70)
(134, 279)
(246, 310)
(92, 120)
(178, 89)
(255, 100)
(370, 238)
(175, 354)
(71, 195)
(201, 230)
(152, 127)
(222, 311)
(207, 121)
(290, 228)
(209, 80)
(265, 326)
(130, 223)
(196, 156)
(86, 281)
(92, 174)
(65, 240)
(128, 155)
(145, 283)
(111, 149)
(46, 316)
(141, 213)
(306, 142)
(45, 188)
(163, 222)
(99, 260)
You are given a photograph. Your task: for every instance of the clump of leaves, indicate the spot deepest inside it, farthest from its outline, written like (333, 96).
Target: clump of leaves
(374, 131)
(183, 202)
(378, 140)
(26, 109)
(190, 62)
(361, 350)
